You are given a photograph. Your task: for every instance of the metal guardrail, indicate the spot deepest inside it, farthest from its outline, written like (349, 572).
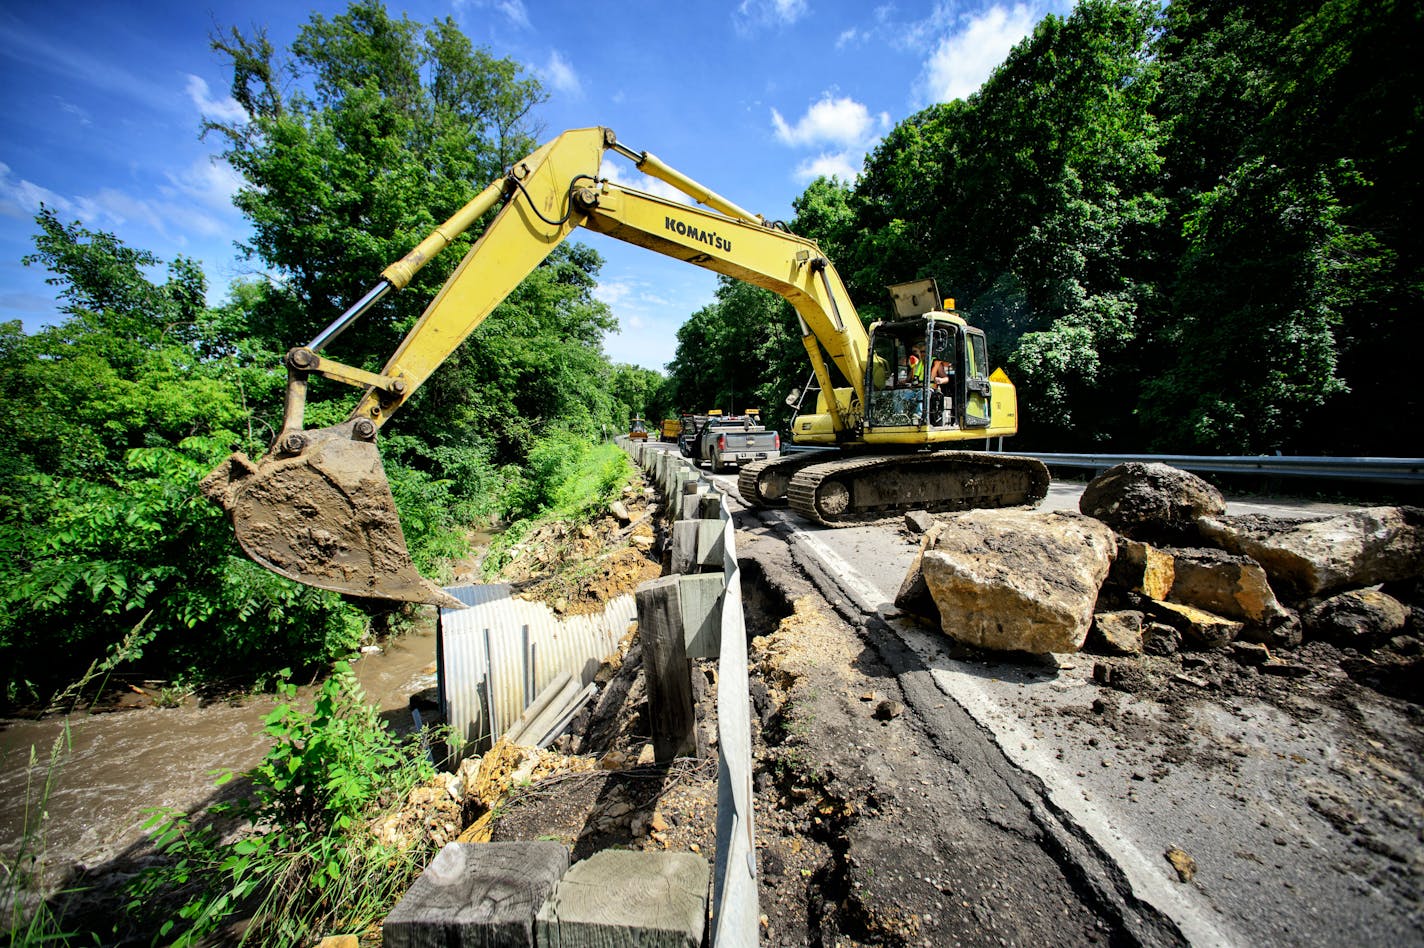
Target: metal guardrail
(735, 913)
(1408, 471)
(1403, 471)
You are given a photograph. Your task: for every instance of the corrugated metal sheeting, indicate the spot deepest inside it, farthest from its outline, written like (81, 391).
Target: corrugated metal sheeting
(501, 652)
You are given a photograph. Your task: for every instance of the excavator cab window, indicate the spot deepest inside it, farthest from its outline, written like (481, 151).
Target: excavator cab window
(944, 377)
(897, 375)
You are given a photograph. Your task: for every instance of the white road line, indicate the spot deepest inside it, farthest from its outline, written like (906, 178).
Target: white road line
(1199, 922)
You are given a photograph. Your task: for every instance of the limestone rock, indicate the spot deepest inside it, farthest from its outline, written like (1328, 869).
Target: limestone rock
(918, 521)
(1016, 579)
(1227, 584)
(1199, 627)
(1118, 633)
(1150, 500)
(1355, 618)
(1310, 558)
(914, 595)
(1142, 568)
(1158, 638)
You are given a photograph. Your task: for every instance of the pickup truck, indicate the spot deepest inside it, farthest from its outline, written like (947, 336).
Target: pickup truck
(727, 441)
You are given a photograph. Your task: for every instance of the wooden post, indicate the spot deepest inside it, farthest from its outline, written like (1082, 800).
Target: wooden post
(477, 894)
(701, 597)
(616, 897)
(669, 673)
(695, 544)
(711, 508)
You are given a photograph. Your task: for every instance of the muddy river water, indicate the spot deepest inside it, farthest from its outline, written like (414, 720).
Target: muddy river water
(120, 765)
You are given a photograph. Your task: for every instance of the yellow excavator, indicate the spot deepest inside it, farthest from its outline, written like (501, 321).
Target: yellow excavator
(318, 509)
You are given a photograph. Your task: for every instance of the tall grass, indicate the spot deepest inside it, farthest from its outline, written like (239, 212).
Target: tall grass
(24, 897)
(312, 860)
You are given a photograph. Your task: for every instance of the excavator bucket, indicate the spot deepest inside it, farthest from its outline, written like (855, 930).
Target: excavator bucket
(323, 515)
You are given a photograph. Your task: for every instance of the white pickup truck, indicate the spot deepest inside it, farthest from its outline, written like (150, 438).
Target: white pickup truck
(732, 440)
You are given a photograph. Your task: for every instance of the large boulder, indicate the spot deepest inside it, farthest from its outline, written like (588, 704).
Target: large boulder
(1016, 580)
(1358, 618)
(1227, 584)
(1150, 501)
(1312, 558)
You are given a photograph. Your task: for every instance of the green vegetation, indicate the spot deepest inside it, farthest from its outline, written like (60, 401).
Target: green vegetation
(144, 388)
(565, 480)
(1185, 228)
(313, 859)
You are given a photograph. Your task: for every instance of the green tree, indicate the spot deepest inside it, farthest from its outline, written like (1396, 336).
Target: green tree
(397, 126)
(729, 353)
(102, 527)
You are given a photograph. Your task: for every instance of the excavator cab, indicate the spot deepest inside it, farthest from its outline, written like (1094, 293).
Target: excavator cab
(915, 374)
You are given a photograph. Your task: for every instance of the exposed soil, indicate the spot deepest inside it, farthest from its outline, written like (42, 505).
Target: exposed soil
(875, 826)
(885, 814)
(579, 568)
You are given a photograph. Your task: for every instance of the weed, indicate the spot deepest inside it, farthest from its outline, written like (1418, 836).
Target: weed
(312, 859)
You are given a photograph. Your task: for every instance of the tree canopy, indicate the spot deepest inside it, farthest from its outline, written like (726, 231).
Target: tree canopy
(1184, 228)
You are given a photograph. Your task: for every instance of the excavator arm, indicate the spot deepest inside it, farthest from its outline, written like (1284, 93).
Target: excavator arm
(317, 508)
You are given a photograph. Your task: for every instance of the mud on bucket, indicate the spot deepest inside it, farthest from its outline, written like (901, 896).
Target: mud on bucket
(323, 516)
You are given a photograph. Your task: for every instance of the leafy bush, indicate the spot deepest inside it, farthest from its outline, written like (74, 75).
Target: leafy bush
(567, 478)
(311, 860)
(82, 561)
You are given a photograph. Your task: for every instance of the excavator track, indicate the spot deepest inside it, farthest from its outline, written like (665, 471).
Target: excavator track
(764, 483)
(842, 492)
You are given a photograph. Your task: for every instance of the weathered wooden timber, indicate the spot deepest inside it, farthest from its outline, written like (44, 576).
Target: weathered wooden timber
(617, 897)
(480, 895)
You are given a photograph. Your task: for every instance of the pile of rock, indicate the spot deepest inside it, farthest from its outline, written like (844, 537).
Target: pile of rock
(1153, 563)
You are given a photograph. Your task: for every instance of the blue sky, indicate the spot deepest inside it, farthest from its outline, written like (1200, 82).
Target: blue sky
(753, 98)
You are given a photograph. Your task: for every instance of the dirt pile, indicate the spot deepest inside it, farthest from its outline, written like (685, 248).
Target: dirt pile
(597, 787)
(579, 568)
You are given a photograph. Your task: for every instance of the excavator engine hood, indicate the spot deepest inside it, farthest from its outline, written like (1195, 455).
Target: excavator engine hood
(318, 509)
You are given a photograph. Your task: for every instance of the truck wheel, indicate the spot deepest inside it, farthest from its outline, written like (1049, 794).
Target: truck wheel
(717, 467)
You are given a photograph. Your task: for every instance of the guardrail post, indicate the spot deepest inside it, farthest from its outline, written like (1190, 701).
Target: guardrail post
(702, 597)
(669, 672)
(616, 897)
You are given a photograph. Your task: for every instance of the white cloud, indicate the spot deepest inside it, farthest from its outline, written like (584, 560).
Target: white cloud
(209, 180)
(758, 14)
(620, 175)
(514, 11)
(965, 58)
(173, 217)
(612, 293)
(840, 121)
(79, 114)
(75, 64)
(841, 165)
(561, 75)
(848, 37)
(222, 110)
(23, 198)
